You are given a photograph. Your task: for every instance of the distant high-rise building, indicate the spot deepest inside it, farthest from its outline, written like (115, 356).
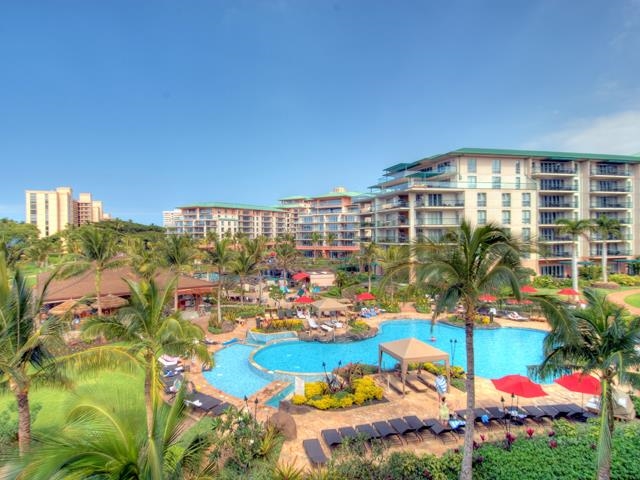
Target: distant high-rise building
(54, 210)
(169, 218)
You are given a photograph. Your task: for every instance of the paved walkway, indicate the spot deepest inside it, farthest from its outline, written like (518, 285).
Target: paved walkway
(618, 297)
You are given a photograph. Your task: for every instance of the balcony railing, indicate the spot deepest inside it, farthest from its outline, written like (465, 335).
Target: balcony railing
(437, 221)
(558, 187)
(610, 188)
(611, 252)
(551, 204)
(607, 205)
(392, 205)
(443, 204)
(549, 221)
(610, 172)
(559, 254)
(553, 169)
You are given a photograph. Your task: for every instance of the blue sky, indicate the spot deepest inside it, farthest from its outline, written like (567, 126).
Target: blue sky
(153, 104)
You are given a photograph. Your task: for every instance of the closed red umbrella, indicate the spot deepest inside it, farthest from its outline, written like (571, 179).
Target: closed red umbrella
(363, 297)
(568, 291)
(528, 289)
(303, 299)
(299, 276)
(518, 385)
(580, 383)
(485, 297)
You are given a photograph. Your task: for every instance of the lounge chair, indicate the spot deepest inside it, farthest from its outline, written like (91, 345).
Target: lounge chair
(331, 437)
(405, 430)
(314, 452)
(567, 410)
(348, 434)
(497, 414)
(387, 432)
(537, 414)
(367, 432)
(312, 323)
(219, 409)
(416, 424)
(326, 328)
(443, 432)
(200, 401)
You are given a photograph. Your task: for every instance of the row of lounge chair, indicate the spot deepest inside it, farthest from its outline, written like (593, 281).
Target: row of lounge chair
(199, 402)
(396, 431)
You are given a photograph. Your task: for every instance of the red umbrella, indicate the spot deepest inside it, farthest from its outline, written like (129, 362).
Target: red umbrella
(577, 382)
(303, 299)
(518, 385)
(528, 289)
(362, 297)
(568, 291)
(485, 297)
(299, 276)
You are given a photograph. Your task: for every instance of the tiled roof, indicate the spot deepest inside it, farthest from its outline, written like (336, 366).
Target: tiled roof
(237, 206)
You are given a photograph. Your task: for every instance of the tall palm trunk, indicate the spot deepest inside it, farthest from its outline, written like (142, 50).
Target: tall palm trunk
(219, 296)
(98, 285)
(605, 274)
(574, 266)
(607, 425)
(241, 290)
(24, 418)
(149, 390)
(466, 471)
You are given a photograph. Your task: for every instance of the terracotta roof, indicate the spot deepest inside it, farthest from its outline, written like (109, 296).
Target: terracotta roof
(83, 285)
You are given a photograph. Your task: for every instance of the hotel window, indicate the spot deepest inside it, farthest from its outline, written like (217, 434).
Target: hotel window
(472, 181)
(517, 183)
(482, 199)
(518, 167)
(506, 217)
(526, 199)
(526, 217)
(482, 217)
(471, 165)
(526, 234)
(496, 182)
(506, 200)
(495, 166)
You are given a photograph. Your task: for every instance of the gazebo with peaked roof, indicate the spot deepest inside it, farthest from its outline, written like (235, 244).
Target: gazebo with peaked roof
(412, 350)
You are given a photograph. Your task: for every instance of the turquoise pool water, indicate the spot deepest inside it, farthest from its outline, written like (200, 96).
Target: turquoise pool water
(232, 373)
(498, 352)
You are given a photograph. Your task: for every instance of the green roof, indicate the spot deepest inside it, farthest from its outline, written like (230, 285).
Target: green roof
(546, 154)
(398, 167)
(238, 206)
(295, 197)
(337, 194)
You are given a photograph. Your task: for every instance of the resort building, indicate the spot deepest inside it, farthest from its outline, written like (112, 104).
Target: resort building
(525, 191)
(199, 219)
(54, 210)
(325, 225)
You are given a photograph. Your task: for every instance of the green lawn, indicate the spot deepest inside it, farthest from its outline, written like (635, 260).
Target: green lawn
(633, 300)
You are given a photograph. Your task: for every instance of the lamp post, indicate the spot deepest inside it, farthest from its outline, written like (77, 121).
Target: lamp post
(246, 403)
(255, 413)
(453, 342)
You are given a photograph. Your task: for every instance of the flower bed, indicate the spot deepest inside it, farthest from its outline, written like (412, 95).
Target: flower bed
(320, 395)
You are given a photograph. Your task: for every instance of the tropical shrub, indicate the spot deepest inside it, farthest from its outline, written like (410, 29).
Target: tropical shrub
(423, 305)
(545, 281)
(358, 391)
(390, 306)
(294, 325)
(624, 279)
(359, 326)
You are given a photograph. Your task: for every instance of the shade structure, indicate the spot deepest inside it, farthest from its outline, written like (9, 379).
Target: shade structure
(69, 306)
(329, 305)
(515, 301)
(412, 350)
(303, 299)
(363, 297)
(568, 291)
(109, 302)
(528, 289)
(300, 276)
(518, 385)
(485, 297)
(580, 383)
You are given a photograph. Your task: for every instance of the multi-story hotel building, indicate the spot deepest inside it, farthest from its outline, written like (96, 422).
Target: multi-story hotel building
(198, 219)
(54, 210)
(526, 191)
(326, 225)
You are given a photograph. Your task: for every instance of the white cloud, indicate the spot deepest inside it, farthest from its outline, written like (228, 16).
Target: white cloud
(615, 133)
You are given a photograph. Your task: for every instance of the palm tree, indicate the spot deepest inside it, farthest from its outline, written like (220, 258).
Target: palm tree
(329, 240)
(243, 265)
(40, 250)
(97, 249)
(25, 348)
(143, 255)
(600, 340)
(179, 254)
(102, 438)
(220, 255)
(369, 253)
(316, 239)
(607, 228)
(576, 229)
(467, 262)
(286, 255)
(393, 259)
(148, 334)
(256, 247)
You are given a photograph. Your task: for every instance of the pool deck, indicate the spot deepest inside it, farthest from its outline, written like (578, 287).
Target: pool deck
(424, 404)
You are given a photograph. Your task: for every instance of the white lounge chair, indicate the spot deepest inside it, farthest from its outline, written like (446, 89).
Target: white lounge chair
(326, 328)
(312, 323)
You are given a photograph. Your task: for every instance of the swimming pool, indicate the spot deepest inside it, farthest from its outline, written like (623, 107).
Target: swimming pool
(232, 373)
(498, 352)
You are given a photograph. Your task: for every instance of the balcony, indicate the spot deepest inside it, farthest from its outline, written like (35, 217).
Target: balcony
(556, 204)
(443, 204)
(611, 252)
(609, 171)
(610, 205)
(393, 205)
(609, 187)
(557, 186)
(550, 220)
(556, 238)
(444, 220)
(558, 254)
(541, 169)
